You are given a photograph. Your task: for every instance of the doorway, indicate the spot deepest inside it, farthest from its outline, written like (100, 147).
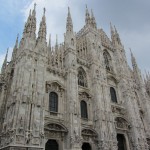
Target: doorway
(86, 146)
(121, 142)
(51, 145)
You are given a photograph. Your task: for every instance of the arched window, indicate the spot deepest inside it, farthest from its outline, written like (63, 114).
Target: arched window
(84, 113)
(53, 102)
(107, 61)
(113, 95)
(72, 41)
(82, 81)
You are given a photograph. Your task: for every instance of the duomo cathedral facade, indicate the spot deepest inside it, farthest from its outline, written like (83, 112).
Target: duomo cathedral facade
(78, 95)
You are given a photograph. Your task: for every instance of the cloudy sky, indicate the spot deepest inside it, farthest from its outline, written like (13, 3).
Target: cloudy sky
(131, 17)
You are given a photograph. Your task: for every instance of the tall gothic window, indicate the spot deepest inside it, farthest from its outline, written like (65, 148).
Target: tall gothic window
(107, 60)
(82, 81)
(53, 102)
(84, 113)
(113, 95)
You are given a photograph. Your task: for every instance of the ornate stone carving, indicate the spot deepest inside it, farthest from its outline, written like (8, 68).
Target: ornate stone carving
(121, 123)
(54, 86)
(89, 134)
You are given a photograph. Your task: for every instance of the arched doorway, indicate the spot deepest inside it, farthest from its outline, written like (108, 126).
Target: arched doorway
(121, 142)
(51, 145)
(86, 146)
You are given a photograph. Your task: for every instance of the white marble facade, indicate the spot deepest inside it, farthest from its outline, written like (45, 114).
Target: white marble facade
(78, 95)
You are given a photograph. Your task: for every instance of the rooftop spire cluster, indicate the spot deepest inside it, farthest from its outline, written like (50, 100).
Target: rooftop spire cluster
(90, 18)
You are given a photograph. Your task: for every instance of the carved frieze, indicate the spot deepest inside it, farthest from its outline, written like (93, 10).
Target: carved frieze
(55, 131)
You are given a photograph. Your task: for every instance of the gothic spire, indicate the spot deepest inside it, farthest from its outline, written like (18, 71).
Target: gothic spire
(15, 48)
(93, 21)
(42, 28)
(69, 25)
(87, 16)
(112, 33)
(34, 11)
(111, 29)
(117, 36)
(49, 43)
(16, 44)
(56, 45)
(5, 62)
(133, 60)
(33, 23)
(30, 25)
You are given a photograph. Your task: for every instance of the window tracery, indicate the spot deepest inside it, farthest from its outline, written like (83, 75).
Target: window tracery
(113, 95)
(84, 113)
(53, 102)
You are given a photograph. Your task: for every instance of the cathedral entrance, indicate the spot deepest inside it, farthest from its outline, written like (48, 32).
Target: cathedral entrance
(121, 142)
(51, 145)
(86, 146)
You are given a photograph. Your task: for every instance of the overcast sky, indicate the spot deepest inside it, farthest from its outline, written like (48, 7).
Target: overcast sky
(131, 17)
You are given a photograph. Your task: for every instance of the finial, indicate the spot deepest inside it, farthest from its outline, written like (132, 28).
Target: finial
(56, 39)
(86, 6)
(34, 6)
(30, 12)
(115, 29)
(111, 25)
(92, 13)
(7, 51)
(17, 40)
(131, 52)
(44, 10)
(49, 40)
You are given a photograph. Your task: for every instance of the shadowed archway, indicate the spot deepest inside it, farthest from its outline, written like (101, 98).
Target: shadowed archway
(86, 146)
(121, 142)
(51, 145)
